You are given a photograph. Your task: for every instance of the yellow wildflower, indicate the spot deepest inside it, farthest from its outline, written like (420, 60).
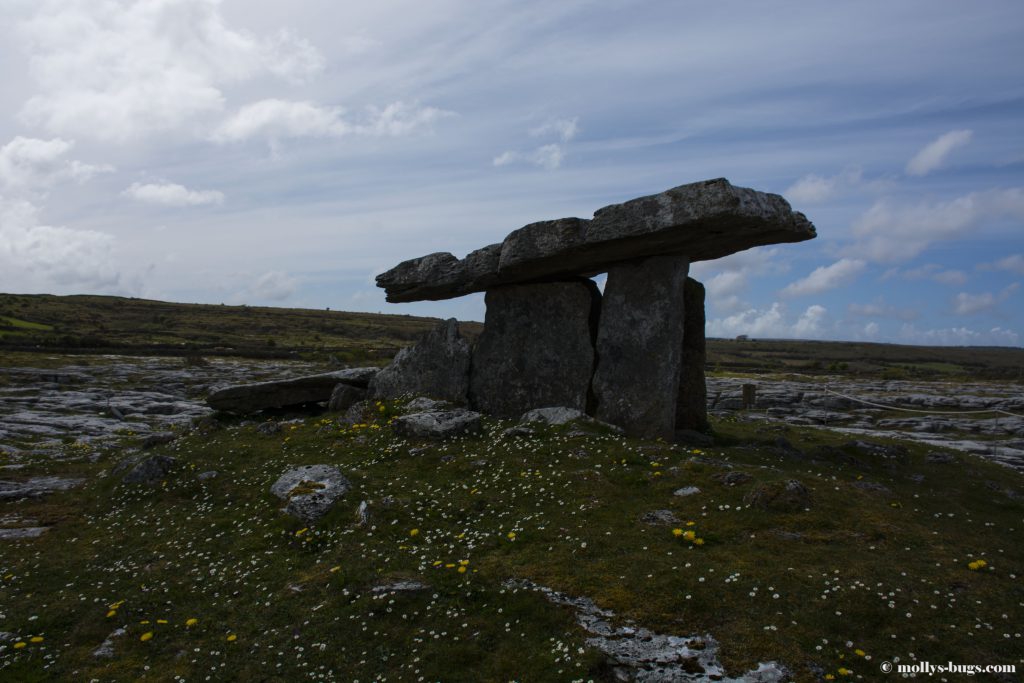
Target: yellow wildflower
(511, 535)
(677, 532)
(146, 636)
(859, 652)
(698, 541)
(302, 531)
(843, 671)
(414, 532)
(689, 535)
(232, 638)
(335, 570)
(20, 644)
(112, 613)
(161, 621)
(462, 570)
(191, 622)
(36, 639)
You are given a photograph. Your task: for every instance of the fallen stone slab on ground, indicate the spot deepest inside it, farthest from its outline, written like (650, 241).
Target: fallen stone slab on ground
(251, 398)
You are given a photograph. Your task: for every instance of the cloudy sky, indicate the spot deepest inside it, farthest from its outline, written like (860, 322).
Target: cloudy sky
(249, 151)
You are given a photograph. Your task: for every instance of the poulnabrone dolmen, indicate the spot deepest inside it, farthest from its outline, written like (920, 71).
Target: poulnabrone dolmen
(632, 357)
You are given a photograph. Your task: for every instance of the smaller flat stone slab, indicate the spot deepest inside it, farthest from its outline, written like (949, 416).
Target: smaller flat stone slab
(702, 221)
(251, 398)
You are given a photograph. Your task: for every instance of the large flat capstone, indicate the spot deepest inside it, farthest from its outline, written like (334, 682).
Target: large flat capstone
(639, 346)
(703, 220)
(537, 348)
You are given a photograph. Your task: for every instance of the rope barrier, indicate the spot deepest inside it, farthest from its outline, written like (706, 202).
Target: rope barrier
(926, 412)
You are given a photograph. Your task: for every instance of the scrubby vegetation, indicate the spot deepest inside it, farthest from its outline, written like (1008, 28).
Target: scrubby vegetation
(106, 324)
(896, 558)
(110, 324)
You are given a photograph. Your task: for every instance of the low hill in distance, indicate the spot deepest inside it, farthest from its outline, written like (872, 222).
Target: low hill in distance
(106, 324)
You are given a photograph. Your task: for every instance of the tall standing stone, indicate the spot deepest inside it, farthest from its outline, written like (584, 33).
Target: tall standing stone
(537, 348)
(639, 346)
(436, 366)
(692, 406)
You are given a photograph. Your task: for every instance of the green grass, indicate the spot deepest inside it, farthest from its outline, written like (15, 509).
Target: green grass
(115, 324)
(105, 324)
(885, 575)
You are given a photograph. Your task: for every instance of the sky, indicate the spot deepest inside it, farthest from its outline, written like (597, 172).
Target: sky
(269, 153)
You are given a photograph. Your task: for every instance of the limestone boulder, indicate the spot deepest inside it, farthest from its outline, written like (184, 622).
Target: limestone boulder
(437, 366)
(537, 348)
(344, 396)
(150, 470)
(310, 491)
(441, 424)
(639, 346)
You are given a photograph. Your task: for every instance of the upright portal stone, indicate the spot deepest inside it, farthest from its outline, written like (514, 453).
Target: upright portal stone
(692, 407)
(436, 366)
(639, 349)
(537, 348)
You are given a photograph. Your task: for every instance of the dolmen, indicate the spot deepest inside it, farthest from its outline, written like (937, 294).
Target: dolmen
(632, 355)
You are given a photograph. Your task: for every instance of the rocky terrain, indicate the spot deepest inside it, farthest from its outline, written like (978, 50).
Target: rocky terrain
(986, 419)
(87, 401)
(145, 537)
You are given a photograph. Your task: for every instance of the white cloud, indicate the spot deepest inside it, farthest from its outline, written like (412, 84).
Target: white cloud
(1013, 263)
(276, 119)
(813, 189)
(770, 323)
(399, 118)
(935, 273)
(824, 278)
(882, 310)
(118, 70)
(889, 233)
(809, 323)
(934, 153)
(274, 286)
(282, 119)
(968, 304)
(548, 156)
(35, 257)
(871, 330)
(959, 336)
(31, 164)
(545, 156)
(727, 279)
(172, 194)
(565, 129)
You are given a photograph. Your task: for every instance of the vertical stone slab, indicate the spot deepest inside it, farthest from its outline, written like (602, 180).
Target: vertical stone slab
(436, 366)
(692, 405)
(537, 348)
(640, 346)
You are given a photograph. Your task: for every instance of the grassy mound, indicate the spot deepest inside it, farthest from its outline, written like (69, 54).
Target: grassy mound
(210, 581)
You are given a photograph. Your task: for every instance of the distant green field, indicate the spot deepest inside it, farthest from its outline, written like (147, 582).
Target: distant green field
(109, 324)
(123, 325)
